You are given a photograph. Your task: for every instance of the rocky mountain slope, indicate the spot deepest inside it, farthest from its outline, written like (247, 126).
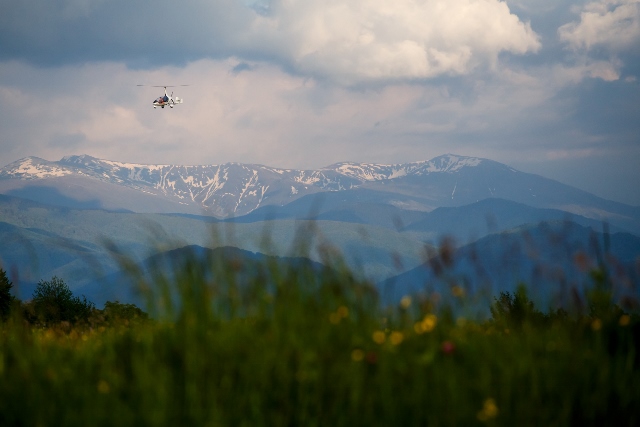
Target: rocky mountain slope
(235, 189)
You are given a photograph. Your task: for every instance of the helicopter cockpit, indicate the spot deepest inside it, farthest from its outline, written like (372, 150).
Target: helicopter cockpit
(162, 101)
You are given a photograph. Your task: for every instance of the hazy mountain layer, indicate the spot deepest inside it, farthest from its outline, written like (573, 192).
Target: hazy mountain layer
(79, 239)
(554, 259)
(235, 189)
(64, 218)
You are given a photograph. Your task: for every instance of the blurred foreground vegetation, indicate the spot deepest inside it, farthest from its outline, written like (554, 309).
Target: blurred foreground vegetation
(302, 345)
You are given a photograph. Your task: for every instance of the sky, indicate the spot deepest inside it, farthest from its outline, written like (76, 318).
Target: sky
(550, 87)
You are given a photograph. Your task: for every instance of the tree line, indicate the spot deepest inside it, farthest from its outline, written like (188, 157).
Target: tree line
(53, 302)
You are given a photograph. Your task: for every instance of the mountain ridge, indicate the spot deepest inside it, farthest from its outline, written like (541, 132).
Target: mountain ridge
(229, 188)
(236, 189)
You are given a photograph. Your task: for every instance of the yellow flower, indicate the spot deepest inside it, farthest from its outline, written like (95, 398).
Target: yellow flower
(405, 302)
(489, 410)
(342, 311)
(49, 334)
(427, 324)
(103, 387)
(457, 291)
(379, 337)
(396, 337)
(625, 319)
(357, 355)
(596, 325)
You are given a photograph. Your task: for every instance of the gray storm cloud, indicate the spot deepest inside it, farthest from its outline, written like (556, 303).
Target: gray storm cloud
(351, 42)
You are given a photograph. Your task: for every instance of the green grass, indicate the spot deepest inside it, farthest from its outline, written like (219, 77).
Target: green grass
(303, 346)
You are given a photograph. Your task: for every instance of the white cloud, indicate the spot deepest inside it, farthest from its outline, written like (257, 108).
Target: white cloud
(365, 40)
(259, 115)
(564, 75)
(613, 24)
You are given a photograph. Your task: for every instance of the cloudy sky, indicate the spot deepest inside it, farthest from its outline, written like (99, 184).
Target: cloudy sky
(546, 86)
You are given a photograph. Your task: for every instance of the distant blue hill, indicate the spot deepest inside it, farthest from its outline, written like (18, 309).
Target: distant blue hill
(552, 258)
(470, 222)
(27, 253)
(360, 206)
(378, 232)
(216, 266)
(465, 223)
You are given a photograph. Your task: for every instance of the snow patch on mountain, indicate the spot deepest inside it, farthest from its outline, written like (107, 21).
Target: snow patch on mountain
(34, 168)
(449, 163)
(231, 188)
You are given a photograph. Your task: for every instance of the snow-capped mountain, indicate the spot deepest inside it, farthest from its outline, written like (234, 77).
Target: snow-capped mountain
(368, 211)
(235, 189)
(228, 189)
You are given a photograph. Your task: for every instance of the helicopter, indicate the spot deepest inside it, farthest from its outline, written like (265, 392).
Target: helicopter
(165, 100)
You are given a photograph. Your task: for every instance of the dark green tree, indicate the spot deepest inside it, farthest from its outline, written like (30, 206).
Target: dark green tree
(124, 313)
(6, 299)
(54, 302)
(516, 309)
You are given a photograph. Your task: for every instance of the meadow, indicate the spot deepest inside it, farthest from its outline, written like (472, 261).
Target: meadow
(229, 342)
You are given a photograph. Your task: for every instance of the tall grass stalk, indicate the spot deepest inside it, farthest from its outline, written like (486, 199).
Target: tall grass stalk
(241, 342)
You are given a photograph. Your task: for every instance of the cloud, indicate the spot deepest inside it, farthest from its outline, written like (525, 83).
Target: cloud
(306, 83)
(265, 115)
(605, 39)
(349, 42)
(364, 40)
(585, 67)
(613, 24)
(140, 33)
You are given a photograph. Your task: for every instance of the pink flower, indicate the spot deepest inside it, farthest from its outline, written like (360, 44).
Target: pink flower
(448, 347)
(371, 358)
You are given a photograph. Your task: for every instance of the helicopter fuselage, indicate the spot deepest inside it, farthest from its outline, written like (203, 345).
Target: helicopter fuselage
(165, 100)
(162, 104)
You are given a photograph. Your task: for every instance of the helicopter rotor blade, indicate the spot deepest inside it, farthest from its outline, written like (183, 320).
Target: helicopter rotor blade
(164, 86)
